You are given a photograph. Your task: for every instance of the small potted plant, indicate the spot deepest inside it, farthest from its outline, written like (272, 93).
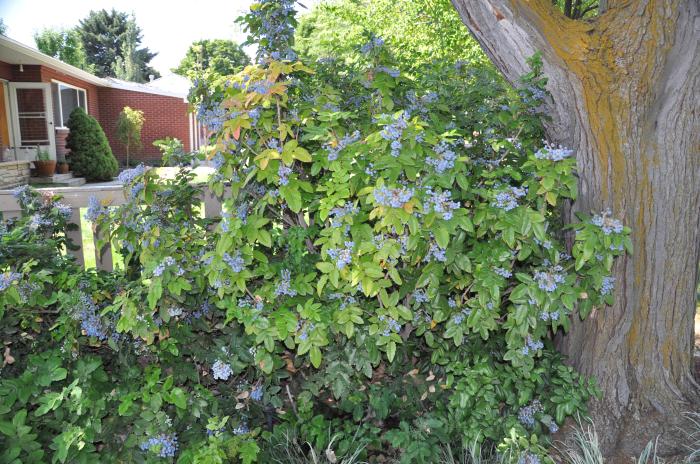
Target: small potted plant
(45, 166)
(62, 167)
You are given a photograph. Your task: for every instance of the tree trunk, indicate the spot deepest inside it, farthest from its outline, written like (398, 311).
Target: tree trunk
(626, 97)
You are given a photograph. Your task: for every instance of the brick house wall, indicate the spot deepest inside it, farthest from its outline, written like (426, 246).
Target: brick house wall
(164, 117)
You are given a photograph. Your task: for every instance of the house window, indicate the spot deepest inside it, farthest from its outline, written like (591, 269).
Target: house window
(66, 98)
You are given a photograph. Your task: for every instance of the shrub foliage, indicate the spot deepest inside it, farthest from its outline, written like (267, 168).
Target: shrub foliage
(90, 153)
(389, 270)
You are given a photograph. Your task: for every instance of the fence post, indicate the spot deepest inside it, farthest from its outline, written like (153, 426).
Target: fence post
(76, 236)
(103, 257)
(212, 205)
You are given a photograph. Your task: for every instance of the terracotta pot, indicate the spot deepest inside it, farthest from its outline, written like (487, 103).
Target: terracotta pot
(45, 168)
(62, 168)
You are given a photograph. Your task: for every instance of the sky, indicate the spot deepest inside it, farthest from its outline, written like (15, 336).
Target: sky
(167, 27)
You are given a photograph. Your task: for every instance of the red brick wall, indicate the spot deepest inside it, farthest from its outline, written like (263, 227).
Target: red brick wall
(164, 117)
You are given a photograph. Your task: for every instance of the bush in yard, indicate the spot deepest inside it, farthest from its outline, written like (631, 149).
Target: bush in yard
(90, 154)
(386, 277)
(129, 127)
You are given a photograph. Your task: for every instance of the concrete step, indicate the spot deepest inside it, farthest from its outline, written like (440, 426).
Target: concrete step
(59, 180)
(75, 181)
(55, 179)
(62, 177)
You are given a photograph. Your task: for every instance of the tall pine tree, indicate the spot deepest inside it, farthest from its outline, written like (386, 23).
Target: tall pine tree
(111, 41)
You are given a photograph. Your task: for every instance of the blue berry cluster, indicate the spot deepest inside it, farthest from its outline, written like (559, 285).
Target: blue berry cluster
(547, 316)
(63, 210)
(235, 262)
(392, 325)
(373, 44)
(441, 203)
(37, 221)
(342, 256)
(221, 370)
(503, 272)
(284, 172)
(435, 253)
(7, 278)
(128, 176)
(88, 313)
(284, 286)
(459, 317)
(394, 131)
(339, 212)
(419, 296)
(160, 268)
(23, 195)
(165, 445)
(418, 104)
(608, 285)
(549, 280)
(445, 157)
(526, 415)
(508, 199)
(392, 197)
(95, 210)
(334, 151)
(392, 72)
(607, 223)
(256, 394)
(529, 458)
(304, 335)
(532, 345)
(241, 429)
(552, 153)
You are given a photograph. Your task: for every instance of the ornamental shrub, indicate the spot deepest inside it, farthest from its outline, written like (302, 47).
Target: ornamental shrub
(90, 154)
(386, 277)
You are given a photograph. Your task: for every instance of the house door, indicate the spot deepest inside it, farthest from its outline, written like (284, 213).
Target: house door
(32, 119)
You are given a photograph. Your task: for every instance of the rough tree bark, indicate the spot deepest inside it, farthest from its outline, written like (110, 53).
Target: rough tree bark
(626, 97)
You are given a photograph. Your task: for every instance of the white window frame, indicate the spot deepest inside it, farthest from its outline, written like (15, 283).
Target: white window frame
(60, 124)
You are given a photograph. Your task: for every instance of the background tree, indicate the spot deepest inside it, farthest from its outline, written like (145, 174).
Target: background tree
(625, 88)
(3, 26)
(420, 32)
(63, 44)
(105, 35)
(90, 154)
(126, 67)
(129, 127)
(221, 56)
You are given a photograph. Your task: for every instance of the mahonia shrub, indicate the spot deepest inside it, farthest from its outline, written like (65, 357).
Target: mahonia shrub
(90, 154)
(388, 270)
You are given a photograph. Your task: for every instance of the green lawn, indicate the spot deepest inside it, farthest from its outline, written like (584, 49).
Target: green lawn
(201, 173)
(89, 245)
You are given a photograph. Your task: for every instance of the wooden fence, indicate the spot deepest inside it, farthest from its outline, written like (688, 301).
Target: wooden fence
(78, 197)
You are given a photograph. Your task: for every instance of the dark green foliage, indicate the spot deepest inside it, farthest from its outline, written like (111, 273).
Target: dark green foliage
(90, 154)
(220, 56)
(577, 9)
(106, 37)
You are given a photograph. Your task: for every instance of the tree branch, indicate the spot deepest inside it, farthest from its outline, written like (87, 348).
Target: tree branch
(510, 31)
